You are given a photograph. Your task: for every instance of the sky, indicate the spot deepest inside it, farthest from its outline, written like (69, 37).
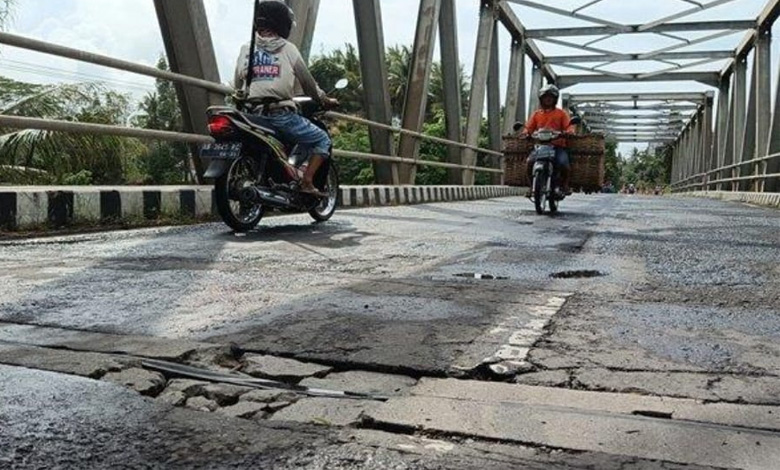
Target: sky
(128, 29)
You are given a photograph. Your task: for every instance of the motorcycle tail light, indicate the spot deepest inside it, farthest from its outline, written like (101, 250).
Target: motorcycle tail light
(220, 126)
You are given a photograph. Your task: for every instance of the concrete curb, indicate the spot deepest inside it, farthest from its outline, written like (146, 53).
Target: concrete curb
(56, 207)
(761, 199)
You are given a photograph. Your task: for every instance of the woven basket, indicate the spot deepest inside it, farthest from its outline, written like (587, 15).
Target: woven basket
(588, 172)
(514, 144)
(587, 144)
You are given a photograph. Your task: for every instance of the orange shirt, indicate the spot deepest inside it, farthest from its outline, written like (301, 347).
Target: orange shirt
(554, 119)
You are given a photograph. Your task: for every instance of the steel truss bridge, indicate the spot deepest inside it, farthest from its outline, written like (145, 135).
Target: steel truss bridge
(726, 137)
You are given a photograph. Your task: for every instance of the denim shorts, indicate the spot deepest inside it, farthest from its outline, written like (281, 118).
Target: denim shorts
(296, 129)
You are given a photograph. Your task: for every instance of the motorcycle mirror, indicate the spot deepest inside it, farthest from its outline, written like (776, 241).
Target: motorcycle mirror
(341, 84)
(576, 120)
(518, 126)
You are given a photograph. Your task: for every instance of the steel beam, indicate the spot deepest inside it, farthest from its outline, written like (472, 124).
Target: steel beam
(763, 84)
(734, 25)
(537, 81)
(494, 102)
(667, 56)
(773, 147)
(514, 108)
(708, 134)
(451, 78)
(707, 78)
(748, 141)
(589, 98)
(516, 29)
(722, 122)
(769, 15)
(418, 82)
(187, 38)
(649, 26)
(376, 96)
(579, 16)
(478, 87)
(302, 35)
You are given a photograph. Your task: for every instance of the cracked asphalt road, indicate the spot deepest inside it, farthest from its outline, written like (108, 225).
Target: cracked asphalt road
(686, 304)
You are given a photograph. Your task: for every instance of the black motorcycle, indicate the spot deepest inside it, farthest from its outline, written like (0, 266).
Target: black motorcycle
(255, 170)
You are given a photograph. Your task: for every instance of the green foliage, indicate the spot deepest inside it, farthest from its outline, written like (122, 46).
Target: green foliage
(61, 155)
(613, 164)
(647, 169)
(163, 162)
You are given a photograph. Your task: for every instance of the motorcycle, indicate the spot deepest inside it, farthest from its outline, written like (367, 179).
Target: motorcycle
(545, 189)
(255, 170)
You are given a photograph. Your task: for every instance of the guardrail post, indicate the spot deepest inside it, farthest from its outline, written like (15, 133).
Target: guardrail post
(494, 105)
(187, 38)
(419, 78)
(478, 86)
(451, 78)
(763, 85)
(302, 35)
(373, 66)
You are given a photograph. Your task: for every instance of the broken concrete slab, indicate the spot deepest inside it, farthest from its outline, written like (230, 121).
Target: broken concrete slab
(84, 364)
(747, 416)
(546, 378)
(224, 394)
(140, 346)
(269, 396)
(586, 430)
(201, 404)
(326, 411)
(244, 409)
(189, 388)
(172, 398)
(142, 381)
(278, 368)
(363, 382)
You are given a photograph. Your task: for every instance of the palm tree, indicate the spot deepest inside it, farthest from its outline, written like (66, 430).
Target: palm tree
(27, 153)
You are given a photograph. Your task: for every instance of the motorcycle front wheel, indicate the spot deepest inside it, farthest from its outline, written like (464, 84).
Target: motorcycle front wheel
(327, 207)
(540, 192)
(238, 215)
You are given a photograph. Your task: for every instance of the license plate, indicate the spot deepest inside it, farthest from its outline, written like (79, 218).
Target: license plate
(545, 153)
(221, 151)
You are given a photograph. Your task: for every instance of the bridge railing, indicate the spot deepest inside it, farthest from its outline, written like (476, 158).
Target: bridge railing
(19, 122)
(703, 181)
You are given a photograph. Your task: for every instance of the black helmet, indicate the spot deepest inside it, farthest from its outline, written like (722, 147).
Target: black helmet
(276, 16)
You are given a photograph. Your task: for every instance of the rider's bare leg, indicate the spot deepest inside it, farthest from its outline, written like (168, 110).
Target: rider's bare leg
(315, 163)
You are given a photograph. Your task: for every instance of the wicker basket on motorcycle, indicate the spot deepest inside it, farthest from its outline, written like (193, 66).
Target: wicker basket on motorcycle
(587, 144)
(587, 172)
(516, 152)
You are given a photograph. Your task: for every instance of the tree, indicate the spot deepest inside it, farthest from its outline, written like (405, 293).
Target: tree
(53, 157)
(6, 12)
(165, 162)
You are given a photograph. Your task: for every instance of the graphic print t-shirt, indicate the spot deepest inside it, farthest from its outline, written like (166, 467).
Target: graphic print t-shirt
(277, 67)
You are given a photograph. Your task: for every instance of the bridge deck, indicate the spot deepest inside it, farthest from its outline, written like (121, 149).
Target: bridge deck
(683, 301)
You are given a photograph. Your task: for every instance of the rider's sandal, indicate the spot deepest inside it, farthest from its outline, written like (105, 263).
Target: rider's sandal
(313, 191)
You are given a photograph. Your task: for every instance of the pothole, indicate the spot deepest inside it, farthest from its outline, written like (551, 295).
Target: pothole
(581, 274)
(482, 276)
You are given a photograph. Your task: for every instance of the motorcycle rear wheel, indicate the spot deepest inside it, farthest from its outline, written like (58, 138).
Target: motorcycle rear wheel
(240, 216)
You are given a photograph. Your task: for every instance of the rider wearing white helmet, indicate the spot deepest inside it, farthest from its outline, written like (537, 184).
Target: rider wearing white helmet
(549, 116)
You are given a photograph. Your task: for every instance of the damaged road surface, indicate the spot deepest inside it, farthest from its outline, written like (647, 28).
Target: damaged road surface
(628, 332)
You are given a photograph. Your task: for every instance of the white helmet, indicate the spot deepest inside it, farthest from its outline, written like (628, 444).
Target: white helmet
(550, 90)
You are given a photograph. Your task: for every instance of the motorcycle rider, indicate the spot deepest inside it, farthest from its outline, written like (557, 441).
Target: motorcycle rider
(277, 67)
(549, 116)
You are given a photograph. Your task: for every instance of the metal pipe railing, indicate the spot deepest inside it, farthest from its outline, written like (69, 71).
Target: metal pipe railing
(18, 122)
(110, 62)
(706, 182)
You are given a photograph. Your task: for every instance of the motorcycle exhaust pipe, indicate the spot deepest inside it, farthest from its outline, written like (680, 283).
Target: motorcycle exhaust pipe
(264, 197)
